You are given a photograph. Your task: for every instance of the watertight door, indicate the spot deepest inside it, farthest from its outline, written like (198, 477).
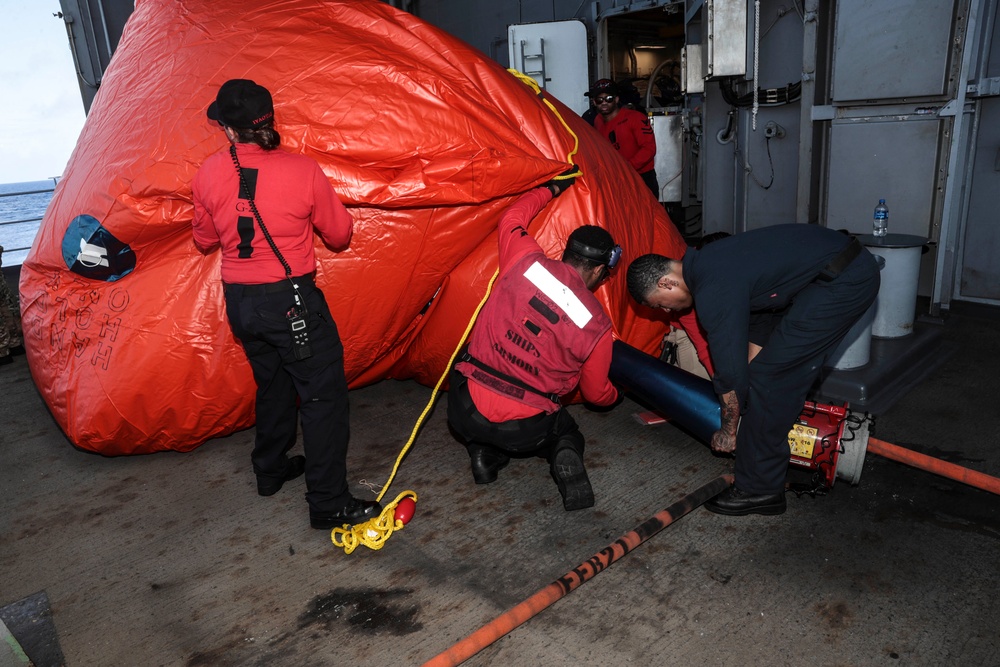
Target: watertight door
(554, 54)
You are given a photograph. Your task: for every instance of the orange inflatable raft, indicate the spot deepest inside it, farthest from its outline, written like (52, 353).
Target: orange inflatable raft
(424, 138)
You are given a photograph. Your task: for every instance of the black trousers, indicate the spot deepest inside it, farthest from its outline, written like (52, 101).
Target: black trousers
(257, 316)
(539, 434)
(781, 375)
(649, 178)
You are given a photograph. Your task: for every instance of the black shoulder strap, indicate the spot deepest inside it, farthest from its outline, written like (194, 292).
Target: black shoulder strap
(256, 213)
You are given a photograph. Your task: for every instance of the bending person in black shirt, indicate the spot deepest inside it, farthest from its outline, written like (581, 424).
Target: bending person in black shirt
(812, 284)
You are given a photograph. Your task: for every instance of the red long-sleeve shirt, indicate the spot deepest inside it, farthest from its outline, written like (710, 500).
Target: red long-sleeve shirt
(293, 196)
(632, 135)
(515, 243)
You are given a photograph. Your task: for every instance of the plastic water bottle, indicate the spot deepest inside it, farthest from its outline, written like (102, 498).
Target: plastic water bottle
(880, 225)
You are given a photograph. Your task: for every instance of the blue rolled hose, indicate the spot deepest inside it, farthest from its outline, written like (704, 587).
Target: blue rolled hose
(685, 399)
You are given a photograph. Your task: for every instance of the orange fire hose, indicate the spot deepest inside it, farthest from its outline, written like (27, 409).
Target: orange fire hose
(936, 466)
(505, 623)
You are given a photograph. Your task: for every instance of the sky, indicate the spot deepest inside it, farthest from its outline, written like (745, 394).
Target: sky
(38, 85)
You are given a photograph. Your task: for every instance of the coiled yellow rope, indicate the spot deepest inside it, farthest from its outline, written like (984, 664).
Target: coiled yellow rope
(374, 532)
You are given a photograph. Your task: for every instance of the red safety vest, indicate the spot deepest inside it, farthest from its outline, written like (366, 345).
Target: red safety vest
(539, 326)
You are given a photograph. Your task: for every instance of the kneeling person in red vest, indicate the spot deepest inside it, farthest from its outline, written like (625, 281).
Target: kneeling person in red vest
(541, 334)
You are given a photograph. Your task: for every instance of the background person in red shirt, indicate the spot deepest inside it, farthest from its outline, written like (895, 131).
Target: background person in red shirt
(541, 334)
(627, 129)
(261, 204)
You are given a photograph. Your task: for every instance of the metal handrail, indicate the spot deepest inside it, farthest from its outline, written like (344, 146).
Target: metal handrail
(18, 222)
(26, 192)
(8, 250)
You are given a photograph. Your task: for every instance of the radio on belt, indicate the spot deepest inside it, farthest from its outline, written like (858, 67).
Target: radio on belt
(300, 333)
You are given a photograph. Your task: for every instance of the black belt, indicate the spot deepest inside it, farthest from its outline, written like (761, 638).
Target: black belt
(460, 384)
(509, 379)
(266, 288)
(840, 262)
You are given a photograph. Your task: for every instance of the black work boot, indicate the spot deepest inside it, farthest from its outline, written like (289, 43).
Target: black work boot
(486, 463)
(566, 465)
(736, 502)
(354, 512)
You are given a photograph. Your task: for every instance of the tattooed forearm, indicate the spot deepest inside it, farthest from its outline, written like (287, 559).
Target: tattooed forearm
(730, 412)
(724, 440)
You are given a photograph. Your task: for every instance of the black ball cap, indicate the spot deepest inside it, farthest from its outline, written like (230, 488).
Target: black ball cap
(602, 86)
(242, 104)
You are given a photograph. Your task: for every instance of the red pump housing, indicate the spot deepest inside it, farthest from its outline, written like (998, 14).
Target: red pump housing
(830, 440)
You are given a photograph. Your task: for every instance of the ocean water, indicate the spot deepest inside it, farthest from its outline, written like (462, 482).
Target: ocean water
(22, 206)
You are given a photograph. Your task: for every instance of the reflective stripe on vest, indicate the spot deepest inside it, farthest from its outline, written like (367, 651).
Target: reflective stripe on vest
(563, 296)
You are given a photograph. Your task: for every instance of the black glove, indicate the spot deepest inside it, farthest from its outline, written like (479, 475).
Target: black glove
(562, 182)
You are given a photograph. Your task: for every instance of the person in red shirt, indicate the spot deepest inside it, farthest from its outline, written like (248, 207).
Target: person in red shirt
(629, 130)
(541, 334)
(261, 204)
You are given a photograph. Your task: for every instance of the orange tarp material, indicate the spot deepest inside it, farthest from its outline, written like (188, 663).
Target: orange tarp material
(424, 139)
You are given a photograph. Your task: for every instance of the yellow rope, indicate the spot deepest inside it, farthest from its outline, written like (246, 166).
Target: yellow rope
(527, 80)
(374, 532)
